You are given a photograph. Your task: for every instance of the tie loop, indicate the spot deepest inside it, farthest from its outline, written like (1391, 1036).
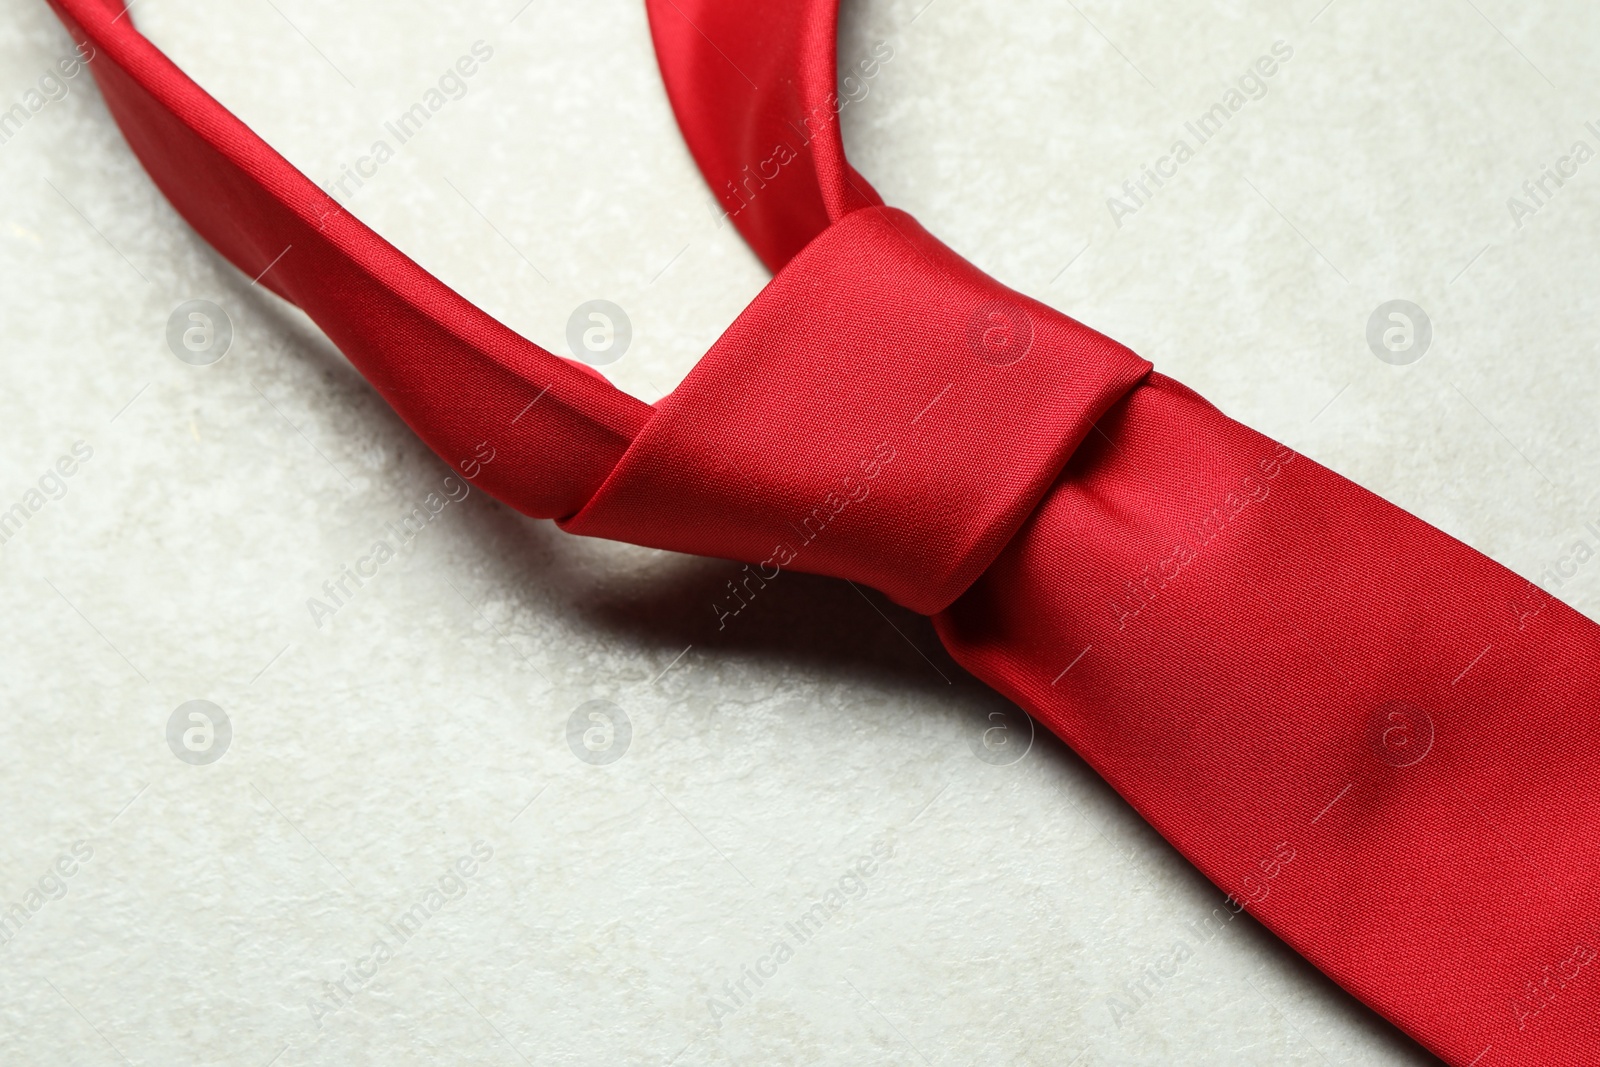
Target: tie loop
(757, 100)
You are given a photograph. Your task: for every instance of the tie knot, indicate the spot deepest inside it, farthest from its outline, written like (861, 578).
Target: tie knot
(883, 412)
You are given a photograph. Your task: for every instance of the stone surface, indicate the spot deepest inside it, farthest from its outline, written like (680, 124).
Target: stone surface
(429, 721)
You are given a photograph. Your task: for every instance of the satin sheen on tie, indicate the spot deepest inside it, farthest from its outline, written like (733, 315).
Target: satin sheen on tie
(1376, 739)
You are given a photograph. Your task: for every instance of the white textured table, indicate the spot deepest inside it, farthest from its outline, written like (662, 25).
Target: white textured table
(399, 856)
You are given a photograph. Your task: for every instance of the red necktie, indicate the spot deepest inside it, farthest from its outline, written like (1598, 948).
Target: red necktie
(1372, 736)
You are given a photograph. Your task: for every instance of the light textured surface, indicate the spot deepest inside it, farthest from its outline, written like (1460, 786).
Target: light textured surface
(1017, 904)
